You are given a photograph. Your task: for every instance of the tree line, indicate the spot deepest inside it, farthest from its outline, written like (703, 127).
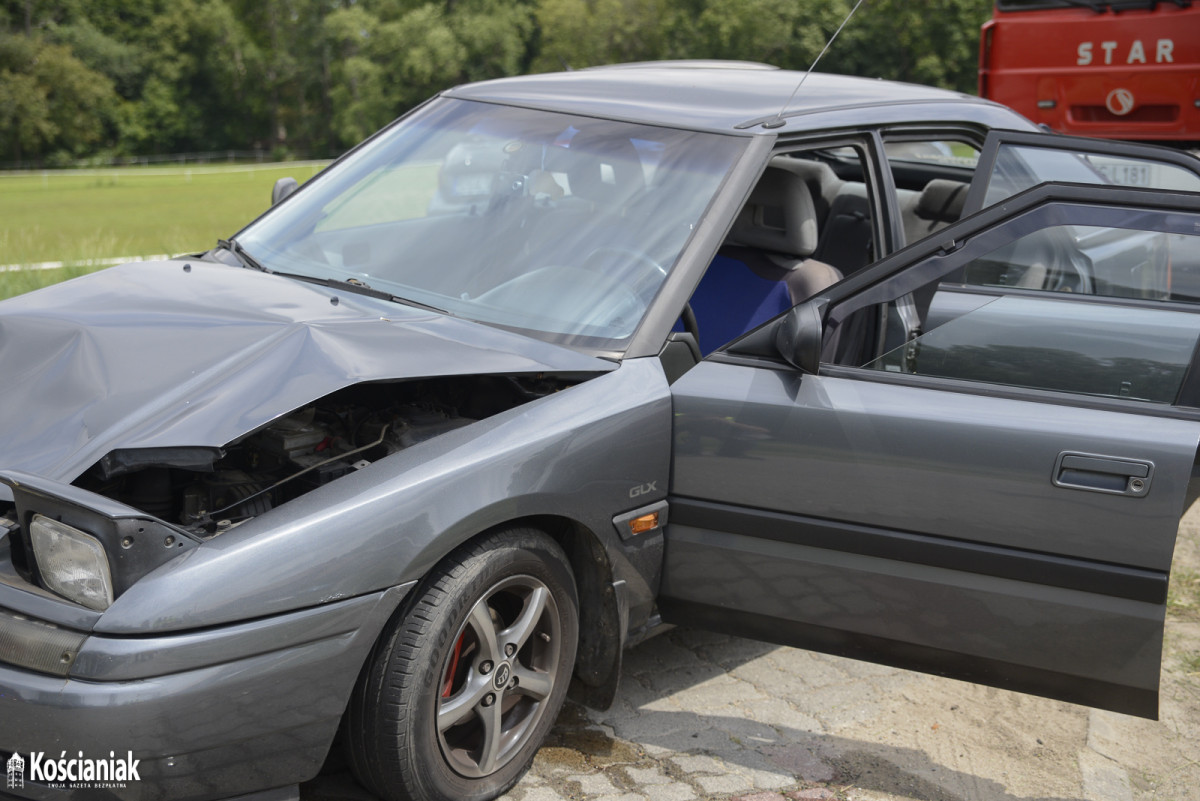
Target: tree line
(88, 78)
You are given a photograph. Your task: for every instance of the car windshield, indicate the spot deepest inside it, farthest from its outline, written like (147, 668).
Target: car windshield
(559, 226)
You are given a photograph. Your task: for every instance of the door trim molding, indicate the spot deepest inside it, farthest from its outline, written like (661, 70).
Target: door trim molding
(1101, 578)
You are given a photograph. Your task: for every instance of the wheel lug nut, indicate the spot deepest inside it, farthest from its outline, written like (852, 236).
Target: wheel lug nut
(515, 681)
(485, 668)
(510, 649)
(489, 699)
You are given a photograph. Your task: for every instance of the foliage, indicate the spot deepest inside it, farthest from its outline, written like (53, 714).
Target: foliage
(51, 104)
(80, 77)
(923, 41)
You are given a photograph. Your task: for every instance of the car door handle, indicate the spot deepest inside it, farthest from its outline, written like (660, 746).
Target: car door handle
(1113, 475)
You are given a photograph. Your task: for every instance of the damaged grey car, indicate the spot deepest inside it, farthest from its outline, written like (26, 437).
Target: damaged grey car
(554, 362)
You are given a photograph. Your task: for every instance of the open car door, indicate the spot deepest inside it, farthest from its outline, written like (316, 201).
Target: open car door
(1013, 161)
(970, 459)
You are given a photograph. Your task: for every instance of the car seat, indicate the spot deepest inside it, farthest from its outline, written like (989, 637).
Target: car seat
(764, 268)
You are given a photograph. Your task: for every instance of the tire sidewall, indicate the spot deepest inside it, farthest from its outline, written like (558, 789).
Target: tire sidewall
(527, 553)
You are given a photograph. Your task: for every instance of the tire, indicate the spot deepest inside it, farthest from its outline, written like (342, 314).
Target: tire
(461, 690)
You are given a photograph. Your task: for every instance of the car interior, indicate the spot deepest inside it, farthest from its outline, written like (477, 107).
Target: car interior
(769, 261)
(807, 225)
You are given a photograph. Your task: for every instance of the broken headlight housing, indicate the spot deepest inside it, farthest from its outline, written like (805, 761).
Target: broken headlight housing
(72, 563)
(82, 546)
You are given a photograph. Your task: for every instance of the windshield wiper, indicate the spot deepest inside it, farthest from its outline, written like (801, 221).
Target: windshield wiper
(416, 304)
(235, 247)
(359, 288)
(349, 284)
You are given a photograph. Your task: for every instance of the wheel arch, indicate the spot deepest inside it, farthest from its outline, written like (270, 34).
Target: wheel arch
(603, 608)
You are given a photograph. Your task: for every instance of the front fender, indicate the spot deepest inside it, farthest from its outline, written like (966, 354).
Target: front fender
(577, 454)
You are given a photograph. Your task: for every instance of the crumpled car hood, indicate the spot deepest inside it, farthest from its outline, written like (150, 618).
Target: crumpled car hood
(157, 354)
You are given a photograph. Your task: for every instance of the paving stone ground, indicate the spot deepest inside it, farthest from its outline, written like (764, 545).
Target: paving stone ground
(702, 716)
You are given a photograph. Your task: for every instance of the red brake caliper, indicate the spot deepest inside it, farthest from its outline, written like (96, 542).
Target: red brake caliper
(453, 666)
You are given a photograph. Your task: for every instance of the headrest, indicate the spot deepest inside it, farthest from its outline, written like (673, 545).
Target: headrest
(941, 200)
(779, 216)
(603, 169)
(822, 181)
(819, 176)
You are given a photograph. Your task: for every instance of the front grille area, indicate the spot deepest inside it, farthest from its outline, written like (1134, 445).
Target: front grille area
(1147, 114)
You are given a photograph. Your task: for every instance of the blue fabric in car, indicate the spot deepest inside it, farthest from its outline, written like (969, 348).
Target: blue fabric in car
(733, 298)
(763, 269)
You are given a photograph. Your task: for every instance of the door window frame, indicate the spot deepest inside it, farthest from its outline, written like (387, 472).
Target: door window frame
(1033, 210)
(996, 139)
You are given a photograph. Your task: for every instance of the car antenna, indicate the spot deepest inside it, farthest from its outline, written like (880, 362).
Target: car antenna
(778, 121)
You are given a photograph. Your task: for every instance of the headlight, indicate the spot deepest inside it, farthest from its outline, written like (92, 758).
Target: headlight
(72, 563)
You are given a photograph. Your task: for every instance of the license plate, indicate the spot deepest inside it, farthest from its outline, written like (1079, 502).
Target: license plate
(1126, 174)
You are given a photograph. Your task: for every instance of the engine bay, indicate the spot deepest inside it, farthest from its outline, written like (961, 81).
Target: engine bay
(210, 490)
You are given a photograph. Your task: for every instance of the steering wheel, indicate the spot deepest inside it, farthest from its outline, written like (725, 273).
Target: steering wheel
(689, 322)
(650, 274)
(588, 298)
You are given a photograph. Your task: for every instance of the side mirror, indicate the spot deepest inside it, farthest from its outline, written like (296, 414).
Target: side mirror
(799, 335)
(283, 188)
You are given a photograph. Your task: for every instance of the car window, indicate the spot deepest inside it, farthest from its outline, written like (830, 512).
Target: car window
(931, 176)
(1057, 344)
(1020, 167)
(1096, 260)
(1042, 302)
(942, 152)
(808, 223)
(560, 226)
(388, 194)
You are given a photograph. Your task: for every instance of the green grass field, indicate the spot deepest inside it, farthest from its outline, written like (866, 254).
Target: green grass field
(81, 215)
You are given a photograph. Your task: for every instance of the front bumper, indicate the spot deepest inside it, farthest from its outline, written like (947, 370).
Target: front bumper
(209, 715)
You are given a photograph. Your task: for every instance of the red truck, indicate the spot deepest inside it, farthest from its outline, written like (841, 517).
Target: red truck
(1121, 69)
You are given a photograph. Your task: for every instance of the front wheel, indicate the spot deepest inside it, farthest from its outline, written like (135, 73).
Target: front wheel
(460, 692)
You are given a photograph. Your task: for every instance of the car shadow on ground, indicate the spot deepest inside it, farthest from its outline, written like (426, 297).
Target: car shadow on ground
(676, 721)
(676, 700)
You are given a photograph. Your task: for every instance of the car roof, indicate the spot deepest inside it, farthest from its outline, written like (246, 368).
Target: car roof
(737, 97)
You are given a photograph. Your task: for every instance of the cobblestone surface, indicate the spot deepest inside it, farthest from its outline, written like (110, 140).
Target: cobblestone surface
(705, 716)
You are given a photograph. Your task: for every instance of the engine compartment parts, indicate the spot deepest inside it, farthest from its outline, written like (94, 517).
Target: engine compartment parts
(207, 490)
